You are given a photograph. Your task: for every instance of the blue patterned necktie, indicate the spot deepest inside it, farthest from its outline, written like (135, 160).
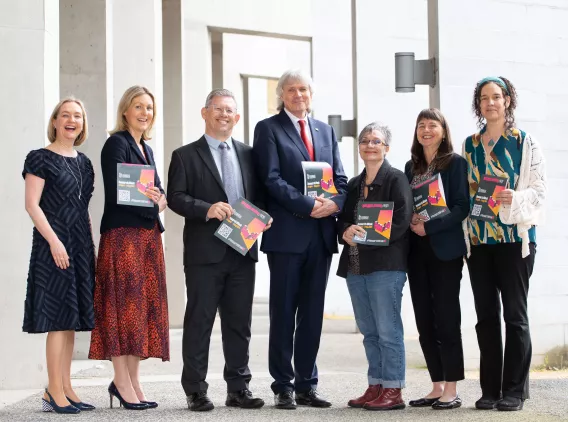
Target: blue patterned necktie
(228, 174)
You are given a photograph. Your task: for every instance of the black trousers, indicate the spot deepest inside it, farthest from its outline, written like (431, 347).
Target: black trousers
(499, 270)
(435, 290)
(229, 287)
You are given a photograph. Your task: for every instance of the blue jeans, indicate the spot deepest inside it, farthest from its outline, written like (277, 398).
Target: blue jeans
(376, 300)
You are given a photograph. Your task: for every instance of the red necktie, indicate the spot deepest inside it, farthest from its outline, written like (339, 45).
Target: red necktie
(306, 139)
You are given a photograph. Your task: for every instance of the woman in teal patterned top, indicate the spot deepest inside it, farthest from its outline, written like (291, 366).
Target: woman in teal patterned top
(501, 253)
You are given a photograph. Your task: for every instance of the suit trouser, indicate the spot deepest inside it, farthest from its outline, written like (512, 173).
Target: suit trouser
(297, 297)
(229, 287)
(495, 269)
(435, 290)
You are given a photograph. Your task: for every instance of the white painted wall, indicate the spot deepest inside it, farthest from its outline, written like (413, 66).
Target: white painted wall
(29, 48)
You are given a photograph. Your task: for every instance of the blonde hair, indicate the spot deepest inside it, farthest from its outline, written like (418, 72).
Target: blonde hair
(51, 131)
(125, 102)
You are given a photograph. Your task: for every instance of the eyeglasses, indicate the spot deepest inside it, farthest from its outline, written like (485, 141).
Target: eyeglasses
(367, 142)
(229, 111)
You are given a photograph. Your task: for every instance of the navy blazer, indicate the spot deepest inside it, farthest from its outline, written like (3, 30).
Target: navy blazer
(445, 233)
(278, 153)
(121, 148)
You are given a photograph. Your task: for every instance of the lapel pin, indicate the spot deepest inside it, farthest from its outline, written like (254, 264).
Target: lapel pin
(317, 130)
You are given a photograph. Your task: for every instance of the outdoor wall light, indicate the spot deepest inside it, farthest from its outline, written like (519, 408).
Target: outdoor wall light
(409, 72)
(342, 127)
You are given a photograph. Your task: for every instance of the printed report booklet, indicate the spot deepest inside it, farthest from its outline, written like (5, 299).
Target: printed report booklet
(132, 182)
(376, 219)
(241, 230)
(485, 204)
(429, 198)
(318, 179)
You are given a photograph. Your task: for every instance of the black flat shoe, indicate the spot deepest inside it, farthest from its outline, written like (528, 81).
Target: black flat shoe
(443, 405)
(284, 400)
(243, 399)
(80, 405)
(486, 403)
(311, 398)
(199, 402)
(509, 403)
(423, 402)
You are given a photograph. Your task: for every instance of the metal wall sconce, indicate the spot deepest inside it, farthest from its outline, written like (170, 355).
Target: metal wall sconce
(342, 127)
(410, 72)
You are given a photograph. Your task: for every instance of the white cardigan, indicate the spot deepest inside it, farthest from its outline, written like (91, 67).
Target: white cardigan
(529, 195)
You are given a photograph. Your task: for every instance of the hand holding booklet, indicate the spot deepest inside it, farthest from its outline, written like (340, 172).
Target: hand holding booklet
(376, 219)
(243, 228)
(318, 179)
(429, 198)
(485, 203)
(132, 181)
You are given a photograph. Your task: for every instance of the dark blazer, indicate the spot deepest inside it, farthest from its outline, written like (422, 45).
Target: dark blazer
(279, 152)
(446, 233)
(121, 148)
(194, 184)
(390, 184)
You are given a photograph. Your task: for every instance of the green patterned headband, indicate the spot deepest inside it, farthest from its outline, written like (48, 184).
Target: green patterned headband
(495, 79)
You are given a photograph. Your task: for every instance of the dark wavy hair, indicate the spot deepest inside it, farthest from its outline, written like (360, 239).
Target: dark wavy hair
(445, 150)
(510, 92)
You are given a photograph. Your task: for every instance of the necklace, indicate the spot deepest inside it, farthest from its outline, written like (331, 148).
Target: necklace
(73, 174)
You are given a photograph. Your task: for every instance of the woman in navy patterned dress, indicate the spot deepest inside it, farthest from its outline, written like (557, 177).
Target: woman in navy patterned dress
(59, 184)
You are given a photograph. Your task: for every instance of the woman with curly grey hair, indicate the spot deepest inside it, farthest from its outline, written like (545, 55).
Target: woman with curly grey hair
(501, 252)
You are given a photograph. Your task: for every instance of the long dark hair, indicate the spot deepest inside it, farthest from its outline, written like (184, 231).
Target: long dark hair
(510, 92)
(445, 150)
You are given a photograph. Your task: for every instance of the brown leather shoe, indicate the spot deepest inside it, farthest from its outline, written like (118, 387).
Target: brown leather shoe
(390, 399)
(371, 394)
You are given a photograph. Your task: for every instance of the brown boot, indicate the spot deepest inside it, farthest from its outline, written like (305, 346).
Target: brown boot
(390, 399)
(372, 393)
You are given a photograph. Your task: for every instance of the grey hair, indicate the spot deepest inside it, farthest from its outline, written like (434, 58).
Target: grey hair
(292, 75)
(378, 126)
(219, 93)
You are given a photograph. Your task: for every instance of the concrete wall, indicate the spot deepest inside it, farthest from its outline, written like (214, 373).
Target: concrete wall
(31, 83)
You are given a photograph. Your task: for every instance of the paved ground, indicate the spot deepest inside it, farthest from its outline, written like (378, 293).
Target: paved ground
(342, 368)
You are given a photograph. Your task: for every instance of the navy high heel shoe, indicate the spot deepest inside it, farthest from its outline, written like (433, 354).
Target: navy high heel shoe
(151, 404)
(80, 405)
(51, 406)
(113, 392)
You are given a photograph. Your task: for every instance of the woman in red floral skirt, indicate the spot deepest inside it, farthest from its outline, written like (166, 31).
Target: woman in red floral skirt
(131, 307)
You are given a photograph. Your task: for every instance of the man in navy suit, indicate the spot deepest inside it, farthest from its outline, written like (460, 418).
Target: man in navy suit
(302, 239)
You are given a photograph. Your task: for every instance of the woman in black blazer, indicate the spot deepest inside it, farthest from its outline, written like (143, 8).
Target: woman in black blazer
(131, 307)
(435, 261)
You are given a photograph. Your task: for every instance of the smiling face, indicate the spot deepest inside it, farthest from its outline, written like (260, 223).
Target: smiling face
(140, 115)
(220, 117)
(430, 133)
(370, 150)
(297, 98)
(492, 102)
(69, 122)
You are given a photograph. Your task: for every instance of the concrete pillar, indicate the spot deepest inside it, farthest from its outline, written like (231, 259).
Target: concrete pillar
(83, 74)
(172, 15)
(29, 46)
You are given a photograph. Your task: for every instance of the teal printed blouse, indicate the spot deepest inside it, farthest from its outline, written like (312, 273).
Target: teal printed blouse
(504, 161)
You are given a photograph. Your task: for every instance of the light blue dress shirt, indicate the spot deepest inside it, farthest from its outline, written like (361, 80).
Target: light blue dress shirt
(214, 147)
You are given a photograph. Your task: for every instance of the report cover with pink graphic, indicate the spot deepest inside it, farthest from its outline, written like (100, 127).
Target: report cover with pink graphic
(318, 179)
(376, 219)
(132, 182)
(485, 203)
(243, 228)
(429, 198)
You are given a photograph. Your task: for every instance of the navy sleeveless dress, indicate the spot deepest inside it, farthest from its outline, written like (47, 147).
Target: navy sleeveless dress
(56, 299)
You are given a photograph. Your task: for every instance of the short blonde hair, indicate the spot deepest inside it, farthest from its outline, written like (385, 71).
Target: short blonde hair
(129, 95)
(51, 131)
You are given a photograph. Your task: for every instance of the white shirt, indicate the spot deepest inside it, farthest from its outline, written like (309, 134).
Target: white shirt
(295, 121)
